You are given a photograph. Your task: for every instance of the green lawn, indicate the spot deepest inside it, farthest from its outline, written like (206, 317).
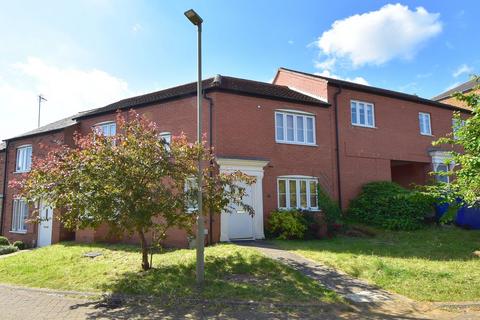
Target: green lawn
(232, 272)
(435, 264)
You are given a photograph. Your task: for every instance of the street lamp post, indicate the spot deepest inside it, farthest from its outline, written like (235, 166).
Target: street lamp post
(197, 20)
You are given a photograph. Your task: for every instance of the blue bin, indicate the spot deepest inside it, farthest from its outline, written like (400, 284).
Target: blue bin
(467, 217)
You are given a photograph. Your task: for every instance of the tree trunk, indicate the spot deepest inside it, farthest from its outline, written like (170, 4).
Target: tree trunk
(145, 263)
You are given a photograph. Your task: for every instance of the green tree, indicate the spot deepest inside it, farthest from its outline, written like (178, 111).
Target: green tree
(134, 182)
(465, 138)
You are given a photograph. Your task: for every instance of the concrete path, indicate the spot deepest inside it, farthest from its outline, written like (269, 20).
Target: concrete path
(352, 289)
(369, 300)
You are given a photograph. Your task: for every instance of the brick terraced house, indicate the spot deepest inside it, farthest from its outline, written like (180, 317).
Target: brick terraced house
(298, 132)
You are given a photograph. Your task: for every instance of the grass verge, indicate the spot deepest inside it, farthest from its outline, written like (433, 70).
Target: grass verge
(435, 264)
(232, 273)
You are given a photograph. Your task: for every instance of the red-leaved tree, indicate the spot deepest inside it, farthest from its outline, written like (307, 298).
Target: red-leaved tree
(134, 182)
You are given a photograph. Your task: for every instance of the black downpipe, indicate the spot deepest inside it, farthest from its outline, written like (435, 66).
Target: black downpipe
(210, 145)
(337, 142)
(4, 191)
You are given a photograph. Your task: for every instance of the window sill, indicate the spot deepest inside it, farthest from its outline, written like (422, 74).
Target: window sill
(19, 172)
(18, 232)
(306, 209)
(297, 144)
(362, 126)
(426, 135)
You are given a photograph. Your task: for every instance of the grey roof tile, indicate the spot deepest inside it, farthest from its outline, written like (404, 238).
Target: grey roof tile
(469, 85)
(54, 126)
(222, 83)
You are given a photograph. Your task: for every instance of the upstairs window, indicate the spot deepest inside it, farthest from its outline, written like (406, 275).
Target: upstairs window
(294, 128)
(298, 192)
(424, 123)
(19, 216)
(107, 129)
(362, 114)
(24, 159)
(456, 125)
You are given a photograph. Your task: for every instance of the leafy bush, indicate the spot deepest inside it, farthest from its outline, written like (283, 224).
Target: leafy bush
(7, 249)
(389, 206)
(287, 224)
(330, 208)
(4, 241)
(20, 245)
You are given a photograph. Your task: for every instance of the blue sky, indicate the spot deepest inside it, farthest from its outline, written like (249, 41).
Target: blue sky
(85, 54)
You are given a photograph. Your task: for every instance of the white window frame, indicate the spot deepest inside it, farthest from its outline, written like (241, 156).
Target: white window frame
(357, 112)
(189, 184)
(435, 169)
(98, 128)
(167, 137)
(296, 114)
(24, 158)
(421, 123)
(19, 218)
(297, 180)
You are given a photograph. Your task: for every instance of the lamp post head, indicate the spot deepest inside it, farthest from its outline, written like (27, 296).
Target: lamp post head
(193, 17)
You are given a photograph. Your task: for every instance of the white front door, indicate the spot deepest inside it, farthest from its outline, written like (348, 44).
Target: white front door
(239, 225)
(240, 222)
(45, 226)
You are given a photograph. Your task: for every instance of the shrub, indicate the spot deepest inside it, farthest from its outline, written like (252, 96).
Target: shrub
(389, 206)
(20, 245)
(287, 224)
(4, 241)
(7, 249)
(329, 207)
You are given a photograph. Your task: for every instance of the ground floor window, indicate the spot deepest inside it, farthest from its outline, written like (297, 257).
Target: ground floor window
(20, 214)
(297, 192)
(441, 167)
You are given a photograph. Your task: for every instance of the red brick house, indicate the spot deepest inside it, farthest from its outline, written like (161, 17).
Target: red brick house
(380, 134)
(286, 134)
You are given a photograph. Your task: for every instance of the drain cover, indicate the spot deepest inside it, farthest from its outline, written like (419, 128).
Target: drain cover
(92, 254)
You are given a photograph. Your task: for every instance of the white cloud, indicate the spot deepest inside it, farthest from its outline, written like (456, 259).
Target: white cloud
(327, 64)
(393, 31)
(463, 69)
(326, 73)
(137, 27)
(424, 75)
(68, 91)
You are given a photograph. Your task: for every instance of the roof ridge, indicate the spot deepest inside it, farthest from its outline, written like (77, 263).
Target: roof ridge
(256, 81)
(468, 85)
